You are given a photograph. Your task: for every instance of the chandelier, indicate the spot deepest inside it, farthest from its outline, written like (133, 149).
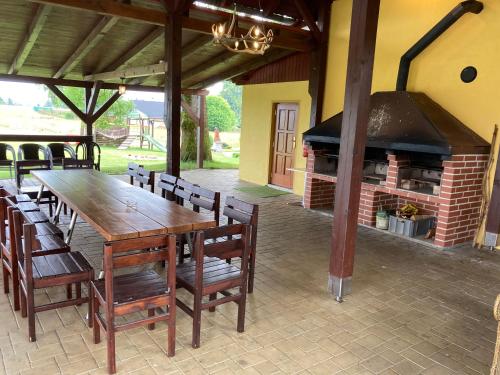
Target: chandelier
(256, 41)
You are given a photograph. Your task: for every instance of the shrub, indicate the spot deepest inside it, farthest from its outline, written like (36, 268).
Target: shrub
(220, 115)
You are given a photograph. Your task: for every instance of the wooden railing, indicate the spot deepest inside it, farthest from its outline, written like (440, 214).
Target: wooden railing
(44, 138)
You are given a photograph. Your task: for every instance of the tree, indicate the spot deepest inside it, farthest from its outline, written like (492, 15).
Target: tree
(2, 101)
(220, 114)
(189, 137)
(232, 93)
(116, 115)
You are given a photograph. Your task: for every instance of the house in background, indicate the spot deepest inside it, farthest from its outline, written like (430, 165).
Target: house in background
(276, 108)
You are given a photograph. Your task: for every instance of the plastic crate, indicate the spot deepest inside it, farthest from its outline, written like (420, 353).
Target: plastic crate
(409, 227)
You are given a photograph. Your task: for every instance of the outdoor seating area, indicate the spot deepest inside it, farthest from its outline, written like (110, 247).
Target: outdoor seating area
(397, 322)
(359, 234)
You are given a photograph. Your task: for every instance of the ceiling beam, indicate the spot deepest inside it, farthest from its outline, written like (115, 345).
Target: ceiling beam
(308, 18)
(135, 49)
(140, 71)
(94, 95)
(95, 116)
(221, 58)
(89, 84)
(295, 39)
(34, 29)
(270, 7)
(236, 71)
(94, 36)
(195, 45)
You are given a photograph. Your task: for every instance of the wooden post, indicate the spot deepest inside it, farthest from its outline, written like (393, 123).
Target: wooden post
(352, 144)
(88, 122)
(319, 59)
(202, 112)
(173, 56)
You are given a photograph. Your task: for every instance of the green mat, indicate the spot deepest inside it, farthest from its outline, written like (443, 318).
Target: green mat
(261, 191)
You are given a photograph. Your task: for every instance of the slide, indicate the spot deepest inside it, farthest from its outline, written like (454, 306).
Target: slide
(155, 143)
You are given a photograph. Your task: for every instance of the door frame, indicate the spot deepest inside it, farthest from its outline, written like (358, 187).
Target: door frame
(274, 112)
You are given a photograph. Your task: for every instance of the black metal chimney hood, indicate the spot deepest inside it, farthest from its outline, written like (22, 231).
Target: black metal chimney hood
(407, 121)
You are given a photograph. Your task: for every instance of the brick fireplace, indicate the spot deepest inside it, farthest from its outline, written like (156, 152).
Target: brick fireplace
(455, 203)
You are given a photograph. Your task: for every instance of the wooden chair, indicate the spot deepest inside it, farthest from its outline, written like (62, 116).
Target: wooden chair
(208, 276)
(91, 151)
(23, 168)
(136, 291)
(77, 164)
(167, 184)
(183, 191)
(132, 171)
(244, 213)
(146, 177)
(49, 236)
(44, 271)
(205, 199)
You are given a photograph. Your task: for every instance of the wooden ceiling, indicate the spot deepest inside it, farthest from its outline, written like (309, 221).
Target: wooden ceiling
(72, 39)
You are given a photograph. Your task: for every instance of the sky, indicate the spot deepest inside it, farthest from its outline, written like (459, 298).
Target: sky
(29, 94)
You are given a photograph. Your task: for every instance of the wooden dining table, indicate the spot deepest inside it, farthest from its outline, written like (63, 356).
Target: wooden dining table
(116, 209)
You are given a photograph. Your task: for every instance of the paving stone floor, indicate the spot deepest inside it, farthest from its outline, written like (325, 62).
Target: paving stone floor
(414, 310)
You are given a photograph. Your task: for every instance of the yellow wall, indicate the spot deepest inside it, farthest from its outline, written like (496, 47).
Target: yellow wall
(256, 129)
(473, 40)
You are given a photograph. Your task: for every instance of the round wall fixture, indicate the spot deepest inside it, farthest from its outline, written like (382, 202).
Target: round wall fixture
(468, 74)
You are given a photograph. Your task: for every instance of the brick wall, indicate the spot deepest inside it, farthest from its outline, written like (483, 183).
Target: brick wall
(456, 208)
(460, 199)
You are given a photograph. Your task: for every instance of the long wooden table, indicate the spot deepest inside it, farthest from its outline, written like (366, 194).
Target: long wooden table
(118, 210)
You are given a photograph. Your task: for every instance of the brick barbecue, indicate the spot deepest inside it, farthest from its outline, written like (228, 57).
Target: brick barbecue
(416, 153)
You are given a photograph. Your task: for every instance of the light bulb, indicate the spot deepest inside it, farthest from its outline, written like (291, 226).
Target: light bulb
(236, 44)
(256, 45)
(221, 29)
(256, 31)
(122, 89)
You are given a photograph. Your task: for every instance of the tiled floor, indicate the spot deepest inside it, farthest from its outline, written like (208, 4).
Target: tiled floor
(414, 310)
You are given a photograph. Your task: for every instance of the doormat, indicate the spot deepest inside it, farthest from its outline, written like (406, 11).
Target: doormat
(261, 191)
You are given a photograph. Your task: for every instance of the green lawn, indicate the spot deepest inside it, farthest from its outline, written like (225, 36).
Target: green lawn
(114, 161)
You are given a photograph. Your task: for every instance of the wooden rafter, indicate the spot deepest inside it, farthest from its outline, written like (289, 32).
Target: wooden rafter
(297, 39)
(140, 71)
(308, 18)
(95, 116)
(135, 49)
(196, 44)
(89, 84)
(82, 116)
(34, 29)
(270, 6)
(236, 71)
(94, 36)
(189, 110)
(221, 58)
(94, 95)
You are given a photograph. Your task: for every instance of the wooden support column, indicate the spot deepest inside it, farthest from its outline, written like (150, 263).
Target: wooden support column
(173, 56)
(352, 144)
(319, 58)
(202, 115)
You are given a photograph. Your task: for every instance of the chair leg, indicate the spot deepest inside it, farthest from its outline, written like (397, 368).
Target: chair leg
(90, 315)
(31, 313)
(111, 348)
(151, 313)
(212, 297)
(95, 324)
(251, 272)
(15, 286)
(171, 338)
(181, 251)
(5, 272)
(24, 308)
(241, 309)
(78, 288)
(196, 320)
(69, 291)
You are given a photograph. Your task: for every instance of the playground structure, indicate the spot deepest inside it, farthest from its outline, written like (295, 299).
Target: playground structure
(146, 132)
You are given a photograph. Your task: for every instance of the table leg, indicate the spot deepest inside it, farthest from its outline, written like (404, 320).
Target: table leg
(71, 228)
(39, 196)
(55, 219)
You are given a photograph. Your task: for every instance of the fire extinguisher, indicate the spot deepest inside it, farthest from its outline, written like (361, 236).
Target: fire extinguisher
(305, 150)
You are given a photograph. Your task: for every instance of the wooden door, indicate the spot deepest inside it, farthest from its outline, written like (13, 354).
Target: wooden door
(285, 122)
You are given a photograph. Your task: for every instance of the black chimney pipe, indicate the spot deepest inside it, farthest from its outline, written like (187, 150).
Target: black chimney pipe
(469, 6)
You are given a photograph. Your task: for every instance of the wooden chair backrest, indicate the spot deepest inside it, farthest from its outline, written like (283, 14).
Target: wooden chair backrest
(23, 229)
(77, 164)
(132, 171)
(242, 212)
(183, 191)
(24, 167)
(223, 244)
(167, 184)
(131, 253)
(146, 177)
(206, 199)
